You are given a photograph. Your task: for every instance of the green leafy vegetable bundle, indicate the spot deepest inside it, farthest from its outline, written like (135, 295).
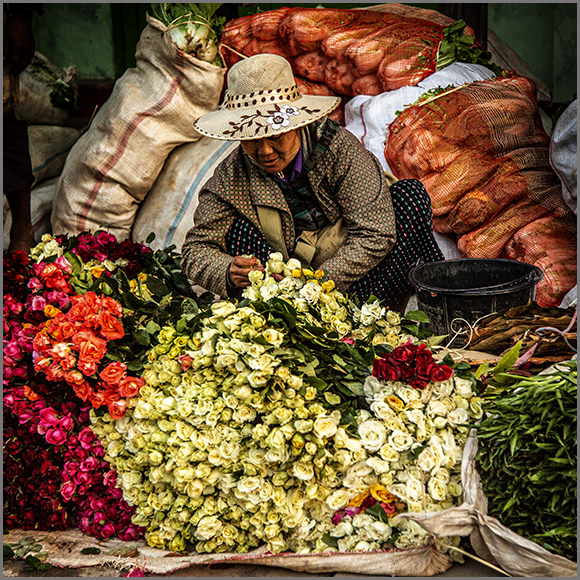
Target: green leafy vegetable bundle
(193, 28)
(527, 458)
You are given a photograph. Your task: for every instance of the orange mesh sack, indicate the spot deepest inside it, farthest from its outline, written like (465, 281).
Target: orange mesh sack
(310, 88)
(550, 245)
(353, 52)
(483, 156)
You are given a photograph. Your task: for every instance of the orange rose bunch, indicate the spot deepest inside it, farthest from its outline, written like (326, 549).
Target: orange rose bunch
(71, 346)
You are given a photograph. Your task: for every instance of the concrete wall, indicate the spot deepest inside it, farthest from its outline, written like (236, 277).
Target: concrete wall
(98, 37)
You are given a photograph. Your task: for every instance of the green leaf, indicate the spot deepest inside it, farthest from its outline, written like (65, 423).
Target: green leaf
(33, 562)
(448, 360)
(91, 550)
(417, 316)
(151, 236)
(156, 286)
(75, 262)
(152, 327)
(328, 539)
(43, 567)
(462, 366)
(332, 399)
(142, 337)
(508, 360)
(482, 370)
(27, 541)
(377, 511)
(8, 552)
(316, 382)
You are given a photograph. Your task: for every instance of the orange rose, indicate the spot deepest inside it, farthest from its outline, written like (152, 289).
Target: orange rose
(111, 396)
(112, 306)
(130, 386)
(68, 362)
(54, 373)
(83, 390)
(117, 409)
(74, 377)
(30, 394)
(97, 398)
(91, 348)
(111, 326)
(64, 330)
(41, 343)
(113, 373)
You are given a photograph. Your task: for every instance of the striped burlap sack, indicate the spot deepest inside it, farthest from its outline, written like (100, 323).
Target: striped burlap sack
(152, 108)
(168, 208)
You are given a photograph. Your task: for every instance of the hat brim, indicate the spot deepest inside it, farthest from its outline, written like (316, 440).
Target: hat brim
(265, 119)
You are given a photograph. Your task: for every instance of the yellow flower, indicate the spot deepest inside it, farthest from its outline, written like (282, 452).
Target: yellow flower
(308, 272)
(395, 403)
(51, 311)
(319, 274)
(296, 273)
(133, 286)
(380, 493)
(358, 500)
(97, 272)
(328, 286)
(142, 277)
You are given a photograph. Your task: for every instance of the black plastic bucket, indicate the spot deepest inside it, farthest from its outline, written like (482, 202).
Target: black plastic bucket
(456, 293)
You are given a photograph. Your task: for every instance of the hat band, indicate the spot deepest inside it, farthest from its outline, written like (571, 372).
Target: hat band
(289, 94)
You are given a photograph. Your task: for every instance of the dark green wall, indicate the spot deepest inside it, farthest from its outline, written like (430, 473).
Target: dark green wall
(100, 39)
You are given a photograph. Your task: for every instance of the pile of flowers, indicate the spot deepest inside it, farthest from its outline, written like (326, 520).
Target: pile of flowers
(79, 315)
(261, 423)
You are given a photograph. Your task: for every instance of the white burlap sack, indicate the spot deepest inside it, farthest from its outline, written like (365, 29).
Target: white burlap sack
(49, 147)
(564, 153)
(41, 198)
(64, 550)
(368, 118)
(36, 84)
(151, 111)
(491, 540)
(169, 206)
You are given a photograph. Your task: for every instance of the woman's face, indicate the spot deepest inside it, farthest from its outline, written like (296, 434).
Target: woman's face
(273, 154)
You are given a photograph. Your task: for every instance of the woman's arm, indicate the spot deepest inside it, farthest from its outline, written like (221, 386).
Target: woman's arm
(204, 260)
(358, 185)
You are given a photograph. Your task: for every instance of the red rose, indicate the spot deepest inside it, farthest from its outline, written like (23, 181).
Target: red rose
(111, 326)
(130, 386)
(113, 373)
(404, 353)
(423, 355)
(368, 502)
(418, 383)
(97, 398)
(379, 368)
(422, 371)
(440, 373)
(407, 372)
(392, 372)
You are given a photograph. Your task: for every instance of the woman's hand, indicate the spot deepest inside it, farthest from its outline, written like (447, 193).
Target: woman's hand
(240, 268)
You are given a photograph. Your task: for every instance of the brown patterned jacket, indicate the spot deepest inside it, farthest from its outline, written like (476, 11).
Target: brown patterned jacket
(347, 180)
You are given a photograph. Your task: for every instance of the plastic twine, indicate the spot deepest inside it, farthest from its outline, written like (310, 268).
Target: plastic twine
(562, 333)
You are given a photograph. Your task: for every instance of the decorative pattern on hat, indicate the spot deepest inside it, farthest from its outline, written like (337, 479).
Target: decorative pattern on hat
(277, 117)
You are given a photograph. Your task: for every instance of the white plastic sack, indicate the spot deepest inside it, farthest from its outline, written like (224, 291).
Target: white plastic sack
(491, 540)
(49, 147)
(368, 118)
(151, 111)
(41, 198)
(36, 83)
(564, 153)
(169, 206)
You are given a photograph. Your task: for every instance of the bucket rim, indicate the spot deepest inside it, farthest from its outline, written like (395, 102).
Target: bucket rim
(530, 279)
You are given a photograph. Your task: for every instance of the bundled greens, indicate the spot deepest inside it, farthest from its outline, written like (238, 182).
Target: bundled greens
(193, 28)
(527, 458)
(459, 47)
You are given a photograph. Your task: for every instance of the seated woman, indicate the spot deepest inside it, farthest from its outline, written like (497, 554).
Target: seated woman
(301, 185)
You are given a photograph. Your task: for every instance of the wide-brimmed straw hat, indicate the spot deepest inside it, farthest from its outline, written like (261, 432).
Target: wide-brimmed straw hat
(262, 99)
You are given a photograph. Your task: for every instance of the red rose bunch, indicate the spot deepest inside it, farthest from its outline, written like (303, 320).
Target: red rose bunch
(412, 364)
